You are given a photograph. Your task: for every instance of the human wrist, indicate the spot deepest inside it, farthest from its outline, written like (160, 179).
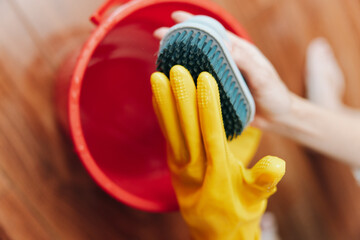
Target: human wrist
(291, 123)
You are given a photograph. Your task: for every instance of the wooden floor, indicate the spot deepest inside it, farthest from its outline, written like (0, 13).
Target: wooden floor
(46, 194)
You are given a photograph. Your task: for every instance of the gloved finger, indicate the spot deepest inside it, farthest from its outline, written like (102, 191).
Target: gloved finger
(266, 174)
(165, 109)
(158, 116)
(244, 146)
(212, 128)
(184, 91)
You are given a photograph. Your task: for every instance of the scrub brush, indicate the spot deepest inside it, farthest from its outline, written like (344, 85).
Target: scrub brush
(198, 45)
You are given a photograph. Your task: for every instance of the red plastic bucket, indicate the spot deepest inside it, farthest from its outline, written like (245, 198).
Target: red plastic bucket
(104, 99)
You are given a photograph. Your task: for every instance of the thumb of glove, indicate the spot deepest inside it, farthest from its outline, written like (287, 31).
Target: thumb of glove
(266, 174)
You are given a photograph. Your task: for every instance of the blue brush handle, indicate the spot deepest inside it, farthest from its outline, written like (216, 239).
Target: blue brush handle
(209, 22)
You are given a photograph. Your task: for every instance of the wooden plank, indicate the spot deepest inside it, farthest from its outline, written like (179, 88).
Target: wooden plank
(18, 221)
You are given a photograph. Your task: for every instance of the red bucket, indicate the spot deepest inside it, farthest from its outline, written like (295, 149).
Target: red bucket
(104, 99)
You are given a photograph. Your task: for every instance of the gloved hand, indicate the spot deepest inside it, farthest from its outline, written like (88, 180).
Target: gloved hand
(218, 197)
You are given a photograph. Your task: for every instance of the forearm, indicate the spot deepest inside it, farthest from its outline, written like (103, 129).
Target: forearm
(334, 134)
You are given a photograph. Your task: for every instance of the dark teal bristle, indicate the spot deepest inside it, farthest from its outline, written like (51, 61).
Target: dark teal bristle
(202, 41)
(207, 47)
(218, 64)
(232, 88)
(222, 70)
(212, 52)
(223, 78)
(188, 36)
(227, 84)
(215, 57)
(198, 53)
(173, 39)
(195, 39)
(241, 110)
(237, 101)
(180, 38)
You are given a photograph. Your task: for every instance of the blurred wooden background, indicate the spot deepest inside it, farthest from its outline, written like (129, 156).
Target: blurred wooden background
(46, 194)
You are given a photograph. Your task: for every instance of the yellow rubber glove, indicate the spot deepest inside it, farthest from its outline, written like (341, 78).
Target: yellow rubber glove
(218, 197)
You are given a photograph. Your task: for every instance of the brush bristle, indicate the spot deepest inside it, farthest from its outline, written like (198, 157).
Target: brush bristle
(197, 53)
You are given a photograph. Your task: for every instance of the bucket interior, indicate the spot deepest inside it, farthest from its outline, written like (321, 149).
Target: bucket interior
(117, 118)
